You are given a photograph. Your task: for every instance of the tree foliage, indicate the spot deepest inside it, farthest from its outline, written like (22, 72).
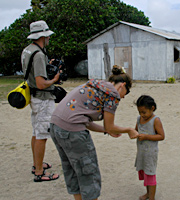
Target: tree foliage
(73, 22)
(38, 4)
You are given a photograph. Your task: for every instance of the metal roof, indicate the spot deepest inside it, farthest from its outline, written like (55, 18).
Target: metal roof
(166, 34)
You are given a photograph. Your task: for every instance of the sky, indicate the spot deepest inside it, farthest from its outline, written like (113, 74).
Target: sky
(10, 10)
(163, 14)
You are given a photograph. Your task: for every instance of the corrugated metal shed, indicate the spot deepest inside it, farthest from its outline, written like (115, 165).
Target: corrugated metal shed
(146, 53)
(166, 34)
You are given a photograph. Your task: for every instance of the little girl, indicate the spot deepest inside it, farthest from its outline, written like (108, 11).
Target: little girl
(150, 131)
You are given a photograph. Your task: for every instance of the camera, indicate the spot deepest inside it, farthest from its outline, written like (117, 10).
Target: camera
(54, 68)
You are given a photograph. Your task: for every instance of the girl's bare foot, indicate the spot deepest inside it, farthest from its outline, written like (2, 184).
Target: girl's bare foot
(144, 197)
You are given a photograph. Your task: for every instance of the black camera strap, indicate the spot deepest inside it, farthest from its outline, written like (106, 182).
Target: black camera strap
(42, 49)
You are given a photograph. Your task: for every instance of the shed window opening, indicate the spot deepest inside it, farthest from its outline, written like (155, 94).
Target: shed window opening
(176, 54)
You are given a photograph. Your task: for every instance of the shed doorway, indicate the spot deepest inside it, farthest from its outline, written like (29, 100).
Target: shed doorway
(123, 57)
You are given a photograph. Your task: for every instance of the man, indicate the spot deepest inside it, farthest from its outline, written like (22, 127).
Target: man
(42, 102)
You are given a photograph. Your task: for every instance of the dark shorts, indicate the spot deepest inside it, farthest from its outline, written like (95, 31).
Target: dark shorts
(79, 162)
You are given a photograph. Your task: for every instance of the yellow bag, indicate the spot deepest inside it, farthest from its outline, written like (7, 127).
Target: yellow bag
(20, 96)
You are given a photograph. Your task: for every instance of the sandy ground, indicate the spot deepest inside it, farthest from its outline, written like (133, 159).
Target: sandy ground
(116, 155)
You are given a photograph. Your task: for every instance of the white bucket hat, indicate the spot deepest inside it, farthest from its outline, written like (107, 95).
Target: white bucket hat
(39, 29)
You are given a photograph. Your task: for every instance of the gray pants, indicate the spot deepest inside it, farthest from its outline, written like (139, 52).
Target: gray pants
(79, 162)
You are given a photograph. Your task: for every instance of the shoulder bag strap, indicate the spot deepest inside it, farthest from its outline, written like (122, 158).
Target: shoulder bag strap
(30, 64)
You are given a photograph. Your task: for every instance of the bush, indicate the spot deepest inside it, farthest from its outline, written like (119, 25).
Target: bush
(171, 80)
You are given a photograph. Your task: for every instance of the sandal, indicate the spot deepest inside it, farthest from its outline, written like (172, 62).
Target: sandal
(48, 166)
(39, 178)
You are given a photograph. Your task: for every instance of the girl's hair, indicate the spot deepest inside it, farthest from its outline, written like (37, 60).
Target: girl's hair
(119, 75)
(146, 101)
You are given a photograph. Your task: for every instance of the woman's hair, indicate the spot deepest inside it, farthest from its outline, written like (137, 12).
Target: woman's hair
(146, 101)
(119, 75)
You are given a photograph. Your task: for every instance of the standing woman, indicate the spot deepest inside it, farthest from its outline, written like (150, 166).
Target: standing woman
(70, 122)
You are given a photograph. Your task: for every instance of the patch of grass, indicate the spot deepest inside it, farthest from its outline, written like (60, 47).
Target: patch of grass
(8, 84)
(171, 80)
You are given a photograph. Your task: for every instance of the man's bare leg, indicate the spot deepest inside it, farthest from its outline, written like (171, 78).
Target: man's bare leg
(39, 151)
(32, 147)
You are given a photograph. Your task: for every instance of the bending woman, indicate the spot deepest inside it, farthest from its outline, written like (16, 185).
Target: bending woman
(70, 122)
